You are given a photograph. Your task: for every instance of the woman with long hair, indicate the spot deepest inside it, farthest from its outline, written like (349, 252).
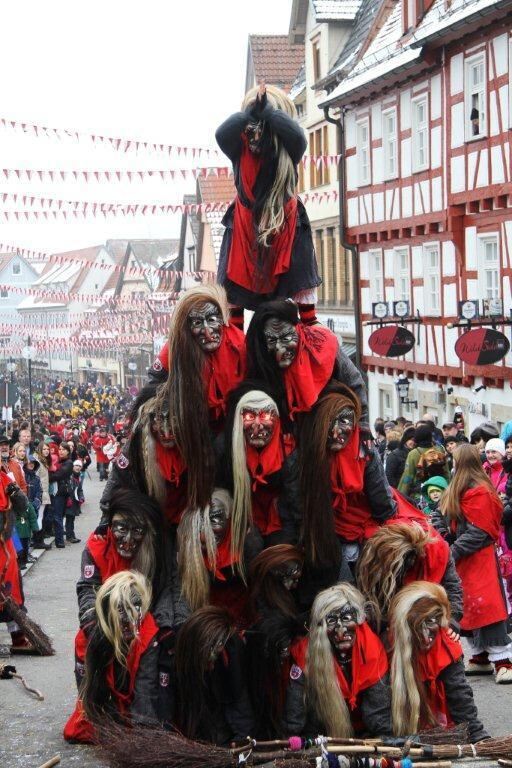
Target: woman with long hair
(259, 463)
(42, 452)
(338, 682)
(129, 543)
(474, 511)
(428, 683)
(267, 250)
(124, 639)
(399, 554)
(212, 570)
(344, 492)
(212, 699)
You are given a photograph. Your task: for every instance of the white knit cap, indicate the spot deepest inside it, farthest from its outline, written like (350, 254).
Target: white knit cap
(495, 444)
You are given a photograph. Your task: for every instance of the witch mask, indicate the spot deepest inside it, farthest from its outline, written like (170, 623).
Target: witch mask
(282, 341)
(205, 323)
(127, 536)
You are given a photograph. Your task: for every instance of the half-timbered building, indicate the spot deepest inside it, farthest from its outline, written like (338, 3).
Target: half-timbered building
(422, 91)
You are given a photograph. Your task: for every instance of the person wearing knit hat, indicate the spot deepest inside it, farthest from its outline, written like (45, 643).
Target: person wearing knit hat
(433, 490)
(493, 464)
(396, 459)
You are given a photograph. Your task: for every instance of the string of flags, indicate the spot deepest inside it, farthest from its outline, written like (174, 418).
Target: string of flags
(123, 175)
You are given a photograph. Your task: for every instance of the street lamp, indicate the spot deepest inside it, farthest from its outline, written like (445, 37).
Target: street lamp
(402, 385)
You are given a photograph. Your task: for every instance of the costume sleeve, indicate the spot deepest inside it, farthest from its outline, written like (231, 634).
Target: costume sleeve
(377, 488)
(288, 130)
(376, 708)
(229, 134)
(440, 523)
(461, 704)
(346, 372)
(472, 540)
(144, 707)
(452, 584)
(294, 720)
(86, 588)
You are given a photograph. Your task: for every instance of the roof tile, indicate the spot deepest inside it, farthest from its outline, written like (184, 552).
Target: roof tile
(275, 59)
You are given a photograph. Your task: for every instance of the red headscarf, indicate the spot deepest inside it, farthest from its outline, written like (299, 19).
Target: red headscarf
(352, 515)
(312, 367)
(444, 652)
(104, 553)
(369, 663)
(246, 267)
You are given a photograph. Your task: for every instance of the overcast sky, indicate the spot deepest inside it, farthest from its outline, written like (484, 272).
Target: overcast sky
(157, 70)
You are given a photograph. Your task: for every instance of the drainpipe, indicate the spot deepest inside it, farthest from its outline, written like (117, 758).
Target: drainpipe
(347, 246)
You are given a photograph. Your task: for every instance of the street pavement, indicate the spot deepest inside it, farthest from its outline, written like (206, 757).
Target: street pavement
(31, 731)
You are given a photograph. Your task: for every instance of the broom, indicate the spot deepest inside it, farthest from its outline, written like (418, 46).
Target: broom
(494, 748)
(32, 631)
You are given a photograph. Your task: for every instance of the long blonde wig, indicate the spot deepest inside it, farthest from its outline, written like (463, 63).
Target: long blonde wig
(285, 182)
(409, 608)
(323, 693)
(116, 593)
(194, 574)
(381, 563)
(242, 500)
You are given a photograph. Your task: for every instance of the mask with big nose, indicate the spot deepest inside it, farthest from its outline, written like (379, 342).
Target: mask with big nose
(161, 429)
(127, 537)
(259, 426)
(131, 620)
(341, 626)
(218, 518)
(341, 429)
(205, 323)
(282, 341)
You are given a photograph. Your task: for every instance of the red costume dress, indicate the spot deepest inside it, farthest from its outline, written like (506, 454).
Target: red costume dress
(443, 652)
(78, 727)
(10, 577)
(265, 494)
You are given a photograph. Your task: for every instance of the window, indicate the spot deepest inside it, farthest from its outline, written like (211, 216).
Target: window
(376, 273)
(319, 146)
(4, 294)
(489, 267)
(420, 134)
(389, 140)
(402, 275)
(432, 279)
(386, 403)
(363, 153)
(300, 110)
(475, 97)
(317, 69)
(16, 268)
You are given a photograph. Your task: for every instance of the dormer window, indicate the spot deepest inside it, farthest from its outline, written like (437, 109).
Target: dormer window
(16, 268)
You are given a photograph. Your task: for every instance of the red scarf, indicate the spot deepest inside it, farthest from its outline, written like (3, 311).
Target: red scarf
(432, 566)
(261, 464)
(105, 555)
(369, 663)
(170, 463)
(482, 509)
(224, 369)
(249, 265)
(147, 633)
(223, 557)
(351, 511)
(312, 367)
(429, 666)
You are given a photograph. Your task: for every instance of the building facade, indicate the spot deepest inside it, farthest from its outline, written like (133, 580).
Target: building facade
(426, 111)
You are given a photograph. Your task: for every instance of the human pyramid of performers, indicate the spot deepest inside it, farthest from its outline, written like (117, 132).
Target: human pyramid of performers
(253, 574)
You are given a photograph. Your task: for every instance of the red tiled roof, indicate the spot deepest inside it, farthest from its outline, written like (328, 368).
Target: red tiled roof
(215, 190)
(275, 59)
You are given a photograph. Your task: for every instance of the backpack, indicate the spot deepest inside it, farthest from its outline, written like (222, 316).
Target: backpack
(432, 462)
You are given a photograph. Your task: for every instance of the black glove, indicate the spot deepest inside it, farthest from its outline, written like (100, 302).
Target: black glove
(7, 671)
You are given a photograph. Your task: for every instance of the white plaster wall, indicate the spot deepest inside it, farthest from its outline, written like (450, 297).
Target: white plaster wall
(435, 97)
(456, 74)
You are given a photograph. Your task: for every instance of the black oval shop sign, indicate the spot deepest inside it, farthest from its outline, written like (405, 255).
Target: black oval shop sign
(482, 346)
(391, 341)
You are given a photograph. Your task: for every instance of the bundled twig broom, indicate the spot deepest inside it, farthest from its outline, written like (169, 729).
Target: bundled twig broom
(32, 631)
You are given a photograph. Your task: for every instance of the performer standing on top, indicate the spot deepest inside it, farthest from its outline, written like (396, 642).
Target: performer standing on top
(267, 250)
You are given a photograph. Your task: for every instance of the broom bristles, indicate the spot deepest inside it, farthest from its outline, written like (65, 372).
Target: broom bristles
(457, 734)
(501, 747)
(32, 631)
